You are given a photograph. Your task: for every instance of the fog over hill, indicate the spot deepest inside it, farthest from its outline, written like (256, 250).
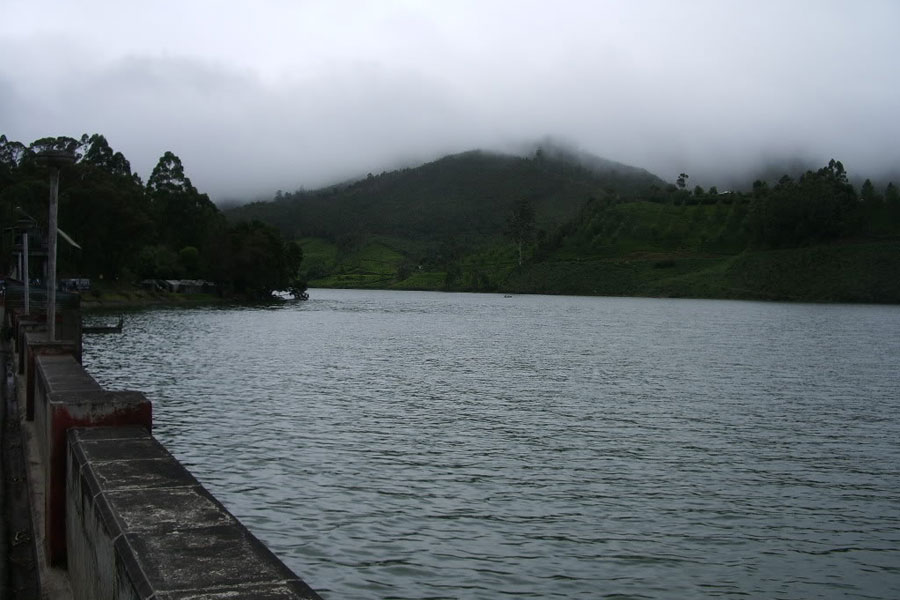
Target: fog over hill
(467, 193)
(260, 96)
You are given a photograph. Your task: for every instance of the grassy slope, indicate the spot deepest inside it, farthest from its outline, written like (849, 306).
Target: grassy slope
(863, 272)
(440, 226)
(638, 249)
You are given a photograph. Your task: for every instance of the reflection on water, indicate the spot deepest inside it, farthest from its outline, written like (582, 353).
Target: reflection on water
(422, 445)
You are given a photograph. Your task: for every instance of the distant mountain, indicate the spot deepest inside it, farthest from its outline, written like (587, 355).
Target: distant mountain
(600, 227)
(464, 194)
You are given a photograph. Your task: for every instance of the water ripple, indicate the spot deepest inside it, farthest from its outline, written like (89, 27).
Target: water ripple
(414, 445)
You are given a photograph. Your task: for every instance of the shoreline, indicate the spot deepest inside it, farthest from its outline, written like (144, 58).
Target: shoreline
(127, 298)
(136, 298)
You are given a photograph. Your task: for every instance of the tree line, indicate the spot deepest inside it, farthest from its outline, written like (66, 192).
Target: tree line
(819, 207)
(130, 231)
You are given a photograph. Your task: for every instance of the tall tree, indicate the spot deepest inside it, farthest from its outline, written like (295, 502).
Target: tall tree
(11, 153)
(168, 176)
(105, 208)
(867, 192)
(99, 154)
(891, 195)
(183, 216)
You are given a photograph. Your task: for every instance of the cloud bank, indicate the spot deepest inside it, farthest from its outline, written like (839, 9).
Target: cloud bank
(261, 96)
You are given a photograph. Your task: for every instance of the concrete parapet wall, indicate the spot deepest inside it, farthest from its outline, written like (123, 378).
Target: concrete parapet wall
(22, 326)
(37, 344)
(55, 373)
(141, 526)
(116, 516)
(66, 397)
(68, 328)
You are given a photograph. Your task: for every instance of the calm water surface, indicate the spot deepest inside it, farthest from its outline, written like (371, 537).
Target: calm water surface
(424, 445)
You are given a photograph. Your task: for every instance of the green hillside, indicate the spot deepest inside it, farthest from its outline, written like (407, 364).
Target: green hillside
(851, 271)
(862, 272)
(451, 225)
(465, 194)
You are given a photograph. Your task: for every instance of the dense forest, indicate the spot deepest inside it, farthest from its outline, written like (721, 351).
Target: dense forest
(555, 221)
(130, 231)
(560, 222)
(466, 194)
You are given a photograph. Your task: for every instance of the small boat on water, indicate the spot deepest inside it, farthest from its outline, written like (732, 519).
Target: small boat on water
(117, 328)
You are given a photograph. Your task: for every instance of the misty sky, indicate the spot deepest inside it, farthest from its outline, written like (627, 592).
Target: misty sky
(261, 95)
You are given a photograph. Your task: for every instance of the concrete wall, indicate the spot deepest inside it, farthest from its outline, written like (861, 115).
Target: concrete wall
(66, 397)
(122, 517)
(140, 525)
(37, 344)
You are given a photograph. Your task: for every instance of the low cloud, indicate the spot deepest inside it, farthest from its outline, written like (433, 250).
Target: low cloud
(705, 90)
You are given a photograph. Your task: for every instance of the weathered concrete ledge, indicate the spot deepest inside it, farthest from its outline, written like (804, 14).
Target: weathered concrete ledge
(66, 397)
(21, 326)
(115, 515)
(20, 323)
(37, 344)
(141, 526)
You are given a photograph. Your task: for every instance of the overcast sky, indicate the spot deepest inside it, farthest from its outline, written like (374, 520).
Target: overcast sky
(261, 95)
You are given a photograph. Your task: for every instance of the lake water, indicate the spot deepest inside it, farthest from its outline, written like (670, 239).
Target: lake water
(428, 445)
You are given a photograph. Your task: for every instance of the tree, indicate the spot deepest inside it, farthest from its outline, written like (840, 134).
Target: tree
(183, 216)
(520, 226)
(761, 188)
(11, 153)
(101, 205)
(892, 202)
(189, 259)
(891, 195)
(867, 192)
(102, 156)
(158, 262)
(293, 256)
(168, 176)
(258, 261)
(109, 216)
(106, 210)
(820, 207)
(681, 182)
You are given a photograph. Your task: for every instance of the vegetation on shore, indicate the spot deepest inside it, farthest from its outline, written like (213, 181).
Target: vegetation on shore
(554, 222)
(813, 238)
(104, 296)
(857, 271)
(129, 231)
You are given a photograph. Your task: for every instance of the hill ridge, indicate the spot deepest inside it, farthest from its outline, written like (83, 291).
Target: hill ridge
(458, 194)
